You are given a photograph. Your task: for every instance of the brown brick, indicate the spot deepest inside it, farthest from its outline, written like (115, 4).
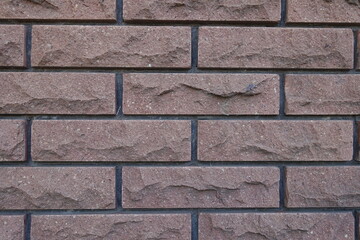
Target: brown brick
(58, 10)
(111, 46)
(200, 187)
(12, 140)
(57, 93)
(101, 140)
(323, 11)
(322, 94)
(12, 227)
(279, 226)
(279, 48)
(202, 10)
(57, 188)
(111, 226)
(201, 94)
(275, 140)
(337, 186)
(12, 46)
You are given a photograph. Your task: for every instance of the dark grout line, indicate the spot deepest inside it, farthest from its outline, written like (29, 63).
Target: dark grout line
(28, 44)
(119, 12)
(118, 187)
(119, 94)
(194, 141)
(28, 127)
(282, 22)
(195, 225)
(356, 50)
(27, 226)
(194, 48)
(282, 187)
(356, 142)
(282, 97)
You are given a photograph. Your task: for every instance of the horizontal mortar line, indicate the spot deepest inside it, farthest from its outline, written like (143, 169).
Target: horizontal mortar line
(179, 211)
(178, 71)
(189, 163)
(182, 117)
(172, 23)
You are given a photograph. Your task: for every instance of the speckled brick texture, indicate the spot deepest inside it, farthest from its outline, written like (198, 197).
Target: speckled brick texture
(179, 120)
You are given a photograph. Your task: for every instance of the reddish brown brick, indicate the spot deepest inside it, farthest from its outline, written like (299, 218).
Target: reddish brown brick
(282, 48)
(111, 46)
(57, 188)
(200, 187)
(279, 226)
(201, 94)
(12, 227)
(58, 10)
(323, 186)
(322, 94)
(111, 226)
(57, 93)
(275, 140)
(323, 11)
(12, 45)
(129, 141)
(202, 10)
(12, 140)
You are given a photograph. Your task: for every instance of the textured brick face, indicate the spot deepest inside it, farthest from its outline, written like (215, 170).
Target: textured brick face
(275, 140)
(201, 94)
(196, 187)
(12, 46)
(323, 11)
(111, 46)
(323, 187)
(12, 227)
(57, 188)
(125, 141)
(12, 140)
(322, 94)
(57, 93)
(58, 10)
(202, 10)
(112, 227)
(280, 226)
(243, 47)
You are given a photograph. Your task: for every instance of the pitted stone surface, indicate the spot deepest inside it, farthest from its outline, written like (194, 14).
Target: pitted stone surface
(23, 188)
(201, 94)
(12, 140)
(112, 227)
(12, 46)
(102, 140)
(12, 227)
(196, 187)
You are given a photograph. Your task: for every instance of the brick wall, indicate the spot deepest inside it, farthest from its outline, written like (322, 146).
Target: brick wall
(179, 119)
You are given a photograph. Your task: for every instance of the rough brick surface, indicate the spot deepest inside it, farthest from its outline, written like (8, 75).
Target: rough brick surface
(58, 10)
(203, 10)
(12, 227)
(12, 46)
(244, 47)
(112, 227)
(322, 94)
(275, 140)
(142, 141)
(12, 140)
(323, 11)
(196, 187)
(201, 94)
(57, 93)
(279, 226)
(323, 186)
(57, 188)
(111, 46)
